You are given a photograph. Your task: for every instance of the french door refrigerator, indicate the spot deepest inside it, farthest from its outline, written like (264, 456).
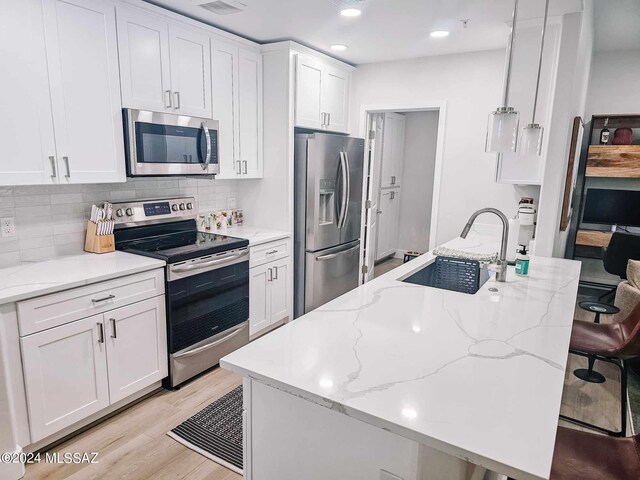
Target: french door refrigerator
(328, 208)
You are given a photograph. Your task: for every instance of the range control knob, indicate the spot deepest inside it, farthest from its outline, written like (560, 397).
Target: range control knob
(129, 212)
(182, 207)
(189, 206)
(119, 212)
(174, 207)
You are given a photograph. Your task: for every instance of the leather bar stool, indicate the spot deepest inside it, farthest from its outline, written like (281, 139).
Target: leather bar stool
(612, 343)
(587, 456)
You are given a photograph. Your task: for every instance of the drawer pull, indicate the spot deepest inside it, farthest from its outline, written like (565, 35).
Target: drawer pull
(272, 252)
(98, 300)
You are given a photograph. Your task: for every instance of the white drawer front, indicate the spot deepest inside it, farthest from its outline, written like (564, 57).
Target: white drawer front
(268, 252)
(42, 313)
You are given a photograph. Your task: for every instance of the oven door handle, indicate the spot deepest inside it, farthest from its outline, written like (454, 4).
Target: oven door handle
(195, 351)
(210, 263)
(207, 136)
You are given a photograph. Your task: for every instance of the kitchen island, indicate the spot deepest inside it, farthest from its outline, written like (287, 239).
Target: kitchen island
(400, 381)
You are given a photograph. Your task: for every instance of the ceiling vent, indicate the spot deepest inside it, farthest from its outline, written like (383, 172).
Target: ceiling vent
(223, 7)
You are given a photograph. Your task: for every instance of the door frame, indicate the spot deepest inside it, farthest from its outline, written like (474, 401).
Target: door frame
(439, 106)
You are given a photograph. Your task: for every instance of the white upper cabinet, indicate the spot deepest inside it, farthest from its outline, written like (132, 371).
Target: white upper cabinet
(69, 92)
(190, 72)
(82, 55)
(29, 154)
(144, 60)
(322, 95)
(164, 66)
(392, 150)
(237, 105)
(250, 112)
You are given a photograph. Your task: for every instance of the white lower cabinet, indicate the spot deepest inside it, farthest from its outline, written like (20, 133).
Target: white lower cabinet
(65, 372)
(388, 211)
(270, 294)
(75, 370)
(136, 347)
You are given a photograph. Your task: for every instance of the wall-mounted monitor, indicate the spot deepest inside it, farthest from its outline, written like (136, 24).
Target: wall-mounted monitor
(612, 207)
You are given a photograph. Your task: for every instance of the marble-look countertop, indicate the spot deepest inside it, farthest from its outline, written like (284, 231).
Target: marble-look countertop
(31, 279)
(255, 235)
(477, 376)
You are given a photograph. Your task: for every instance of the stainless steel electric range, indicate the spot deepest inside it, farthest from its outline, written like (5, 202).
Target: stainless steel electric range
(207, 281)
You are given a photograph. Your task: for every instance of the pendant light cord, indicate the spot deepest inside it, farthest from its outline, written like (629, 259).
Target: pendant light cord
(514, 19)
(544, 28)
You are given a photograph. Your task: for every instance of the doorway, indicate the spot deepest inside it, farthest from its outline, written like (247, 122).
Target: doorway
(401, 187)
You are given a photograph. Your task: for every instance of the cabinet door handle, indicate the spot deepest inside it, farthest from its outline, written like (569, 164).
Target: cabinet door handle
(393, 179)
(276, 275)
(239, 166)
(328, 119)
(167, 99)
(103, 299)
(66, 162)
(393, 195)
(270, 275)
(323, 119)
(176, 95)
(245, 166)
(54, 172)
(114, 332)
(100, 332)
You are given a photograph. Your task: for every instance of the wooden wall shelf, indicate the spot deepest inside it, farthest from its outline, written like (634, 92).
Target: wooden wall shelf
(593, 238)
(620, 161)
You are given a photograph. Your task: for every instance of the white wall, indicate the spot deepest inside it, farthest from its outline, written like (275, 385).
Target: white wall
(574, 65)
(615, 83)
(470, 83)
(421, 131)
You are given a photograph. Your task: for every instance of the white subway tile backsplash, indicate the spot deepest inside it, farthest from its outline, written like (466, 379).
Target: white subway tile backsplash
(51, 219)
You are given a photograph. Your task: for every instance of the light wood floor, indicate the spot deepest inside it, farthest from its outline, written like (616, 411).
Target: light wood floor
(133, 445)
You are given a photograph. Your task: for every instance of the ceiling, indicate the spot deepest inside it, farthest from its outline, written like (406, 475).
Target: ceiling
(386, 30)
(617, 25)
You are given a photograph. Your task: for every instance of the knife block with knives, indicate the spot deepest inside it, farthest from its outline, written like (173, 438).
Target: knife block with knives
(99, 237)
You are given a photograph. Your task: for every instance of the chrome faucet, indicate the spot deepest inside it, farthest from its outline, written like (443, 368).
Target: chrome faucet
(501, 275)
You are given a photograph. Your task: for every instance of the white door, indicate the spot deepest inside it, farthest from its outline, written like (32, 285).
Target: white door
(26, 125)
(335, 97)
(143, 41)
(280, 290)
(392, 150)
(136, 337)
(372, 183)
(224, 76)
(65, 372)
(82, 54)
(308, 103)
(190, 72)
(250, 112)
(387, 223)
(259, 304)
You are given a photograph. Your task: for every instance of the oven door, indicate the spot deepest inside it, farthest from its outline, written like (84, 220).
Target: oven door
(207, 315)
(165, 144)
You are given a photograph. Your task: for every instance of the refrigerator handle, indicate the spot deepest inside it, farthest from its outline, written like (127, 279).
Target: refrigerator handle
(344, 201)
(348, 189)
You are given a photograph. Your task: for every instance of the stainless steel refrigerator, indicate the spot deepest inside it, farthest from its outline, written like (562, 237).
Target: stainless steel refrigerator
(328, 210)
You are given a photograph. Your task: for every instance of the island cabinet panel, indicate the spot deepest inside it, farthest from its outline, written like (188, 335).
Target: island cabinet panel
(289, 438)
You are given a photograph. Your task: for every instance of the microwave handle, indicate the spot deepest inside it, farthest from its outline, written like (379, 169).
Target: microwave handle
(207, 136)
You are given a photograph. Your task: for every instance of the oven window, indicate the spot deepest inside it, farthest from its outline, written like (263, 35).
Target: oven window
(157, 143)
(207, 304)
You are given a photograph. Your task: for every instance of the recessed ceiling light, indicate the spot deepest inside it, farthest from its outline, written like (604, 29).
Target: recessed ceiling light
(350, 12)
(339, 48)
(439, 34)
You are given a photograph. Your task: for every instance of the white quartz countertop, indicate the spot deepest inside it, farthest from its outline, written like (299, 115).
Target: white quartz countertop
(31, 279)
(477, 376)
(255, 235)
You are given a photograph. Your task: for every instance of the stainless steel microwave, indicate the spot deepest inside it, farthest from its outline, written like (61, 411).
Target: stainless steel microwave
(159, 144)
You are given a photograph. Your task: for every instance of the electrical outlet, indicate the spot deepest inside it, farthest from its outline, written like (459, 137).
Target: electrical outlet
(7, 227)
(231, 202)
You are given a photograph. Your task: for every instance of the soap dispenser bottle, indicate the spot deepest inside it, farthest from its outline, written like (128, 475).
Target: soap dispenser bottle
(522, 261)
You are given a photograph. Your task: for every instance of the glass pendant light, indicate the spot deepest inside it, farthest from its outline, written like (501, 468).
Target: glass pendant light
(502, 127)
(531, 136)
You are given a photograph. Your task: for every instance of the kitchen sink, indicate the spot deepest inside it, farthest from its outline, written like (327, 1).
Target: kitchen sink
(457, 279)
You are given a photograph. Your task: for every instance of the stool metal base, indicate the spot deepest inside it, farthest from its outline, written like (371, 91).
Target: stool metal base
(589, 375)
